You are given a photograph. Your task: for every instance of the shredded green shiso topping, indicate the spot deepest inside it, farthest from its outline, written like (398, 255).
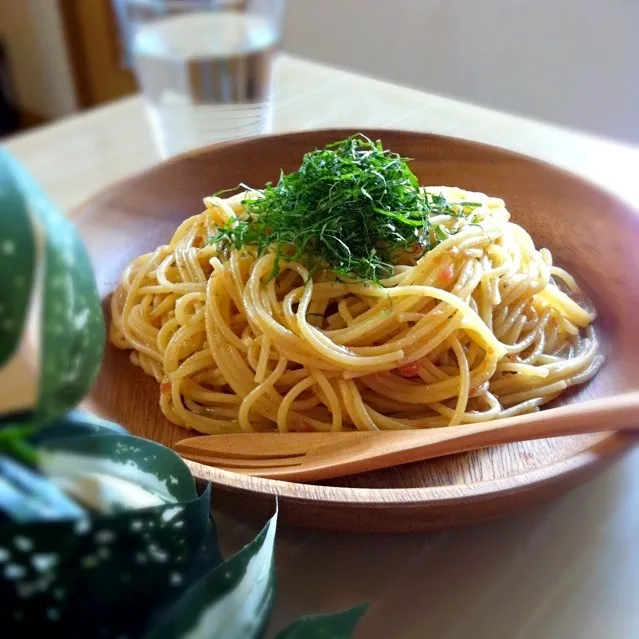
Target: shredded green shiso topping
(351, 207)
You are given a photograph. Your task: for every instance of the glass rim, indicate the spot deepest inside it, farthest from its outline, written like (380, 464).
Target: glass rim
(183, 4)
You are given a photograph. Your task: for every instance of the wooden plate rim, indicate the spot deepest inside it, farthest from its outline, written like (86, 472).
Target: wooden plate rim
(609, 446)
(78, 210)
(590, 457)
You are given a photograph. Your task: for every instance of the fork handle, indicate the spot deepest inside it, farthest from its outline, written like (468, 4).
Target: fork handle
(324, 455)
(600, 415)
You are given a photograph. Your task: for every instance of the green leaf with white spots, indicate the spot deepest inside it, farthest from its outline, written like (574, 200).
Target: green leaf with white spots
(25, 495)
(233, 602)
(17, 260)
(103, 576)
(113, 472)
(339, 625)
(72, 327)
(77, 423)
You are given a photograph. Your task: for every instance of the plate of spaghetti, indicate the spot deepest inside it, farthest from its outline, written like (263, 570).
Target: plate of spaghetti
(335, 281)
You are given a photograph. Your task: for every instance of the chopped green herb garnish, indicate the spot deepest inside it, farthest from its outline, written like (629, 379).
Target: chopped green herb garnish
(351, 207)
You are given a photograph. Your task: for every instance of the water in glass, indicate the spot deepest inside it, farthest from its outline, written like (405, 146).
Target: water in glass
(206, 76)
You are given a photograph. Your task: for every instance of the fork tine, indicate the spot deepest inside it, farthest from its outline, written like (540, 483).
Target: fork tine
(242, 464)
(263, 445)
(185, 449)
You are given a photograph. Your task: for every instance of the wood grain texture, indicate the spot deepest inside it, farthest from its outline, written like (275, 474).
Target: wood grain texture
(311, 457)
(589, 232)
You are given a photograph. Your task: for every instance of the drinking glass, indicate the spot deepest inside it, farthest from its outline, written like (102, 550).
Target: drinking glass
(204, 66)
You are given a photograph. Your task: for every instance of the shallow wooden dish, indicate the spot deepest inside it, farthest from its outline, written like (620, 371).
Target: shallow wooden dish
(588, 231)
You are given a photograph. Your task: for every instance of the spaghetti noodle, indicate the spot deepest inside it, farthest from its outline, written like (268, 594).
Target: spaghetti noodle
(483, 326)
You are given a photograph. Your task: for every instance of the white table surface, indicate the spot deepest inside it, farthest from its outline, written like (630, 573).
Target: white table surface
(566, 570)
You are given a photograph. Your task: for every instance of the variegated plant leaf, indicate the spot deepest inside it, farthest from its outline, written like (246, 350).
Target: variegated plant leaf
(77, 423)
(17, 260)
(102, 576)
(114, 472)
(25, 495)
(72, 323)
(233, 602)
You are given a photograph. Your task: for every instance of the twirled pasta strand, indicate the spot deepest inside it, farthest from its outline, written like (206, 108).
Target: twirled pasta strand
(481, 327)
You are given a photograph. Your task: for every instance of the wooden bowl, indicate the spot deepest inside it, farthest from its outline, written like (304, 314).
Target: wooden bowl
(589, 232)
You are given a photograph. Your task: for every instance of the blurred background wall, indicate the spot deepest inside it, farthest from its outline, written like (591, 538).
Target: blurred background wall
(572, 62)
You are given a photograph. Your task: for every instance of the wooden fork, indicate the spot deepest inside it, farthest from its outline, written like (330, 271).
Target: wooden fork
(306, 457)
